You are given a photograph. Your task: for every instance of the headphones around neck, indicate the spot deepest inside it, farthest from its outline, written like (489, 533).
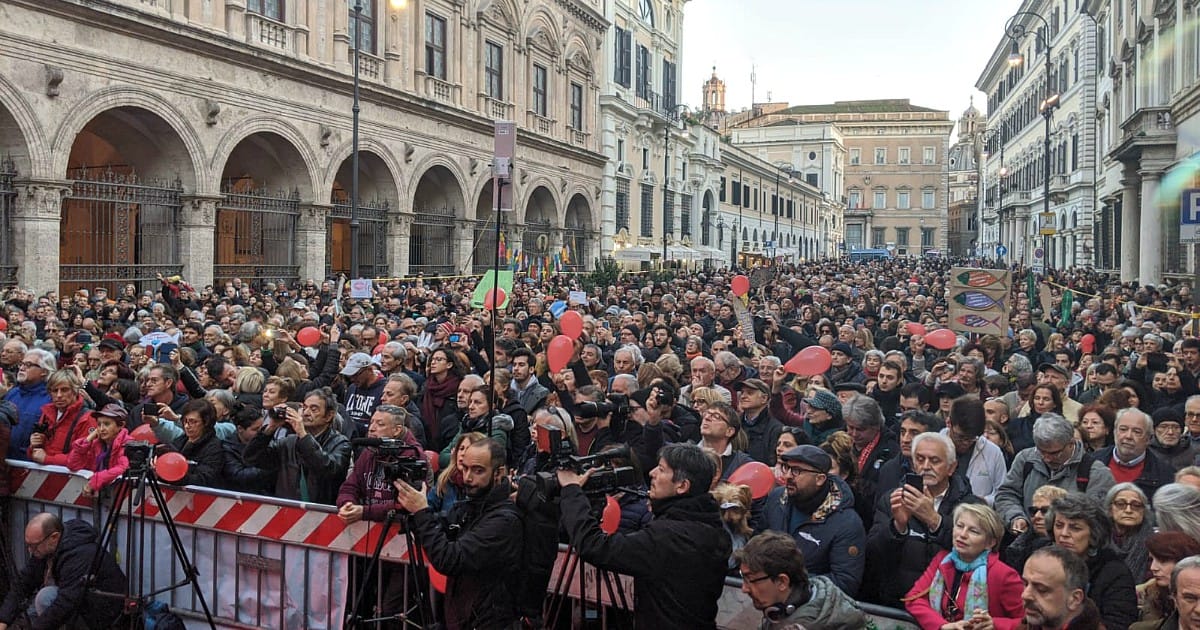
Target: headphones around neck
(778, 612)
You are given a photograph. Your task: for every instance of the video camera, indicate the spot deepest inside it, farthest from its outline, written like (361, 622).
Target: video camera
(615, 404)
(398, 460)
(606, 478)
(138, 453)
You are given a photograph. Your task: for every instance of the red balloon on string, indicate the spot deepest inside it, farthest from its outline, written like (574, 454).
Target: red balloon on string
(144, 433)
(757, 475)
(3, 325)
(494, 299)
(942, 339)
(309, 336)
(571, 325)
(610, 518)
(810, 361)
(915, 328)
(170, 467)
(740, 285)
(559, 353)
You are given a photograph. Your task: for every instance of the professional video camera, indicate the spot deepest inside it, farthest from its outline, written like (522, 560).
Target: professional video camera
(138, 453)
(616, 404)
(398, 460)
(605, 479)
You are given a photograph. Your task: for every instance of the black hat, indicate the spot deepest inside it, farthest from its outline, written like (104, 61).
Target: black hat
(110, 344)
(1166, 414)
(850, 387)
(810, 455)
(950, 390)
(842, 347)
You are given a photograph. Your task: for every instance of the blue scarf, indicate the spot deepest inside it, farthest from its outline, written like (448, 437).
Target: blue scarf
(977, 595)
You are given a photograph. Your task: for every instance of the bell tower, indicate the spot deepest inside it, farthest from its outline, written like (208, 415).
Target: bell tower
(714, 94)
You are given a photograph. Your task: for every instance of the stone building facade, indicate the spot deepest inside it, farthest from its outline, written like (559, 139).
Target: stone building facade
(213, 139)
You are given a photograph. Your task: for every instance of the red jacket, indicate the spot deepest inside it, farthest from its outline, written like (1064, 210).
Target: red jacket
(1004, 594)
(60, 434)
(85, 455)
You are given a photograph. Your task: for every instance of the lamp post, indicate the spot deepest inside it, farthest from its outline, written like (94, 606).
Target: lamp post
(673, 115)
(721, 233)
(1017, 31)
(989, 135)
(780, 168)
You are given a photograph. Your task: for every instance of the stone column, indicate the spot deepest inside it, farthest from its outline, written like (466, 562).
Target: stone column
(1131, 221)
(399, 240)
(464, 246)
(310, 241)
(36, 222)
(235, 19)
(1151, 238)
(197, 239)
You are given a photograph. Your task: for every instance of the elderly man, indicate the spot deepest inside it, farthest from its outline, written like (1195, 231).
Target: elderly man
(731, 373)
(703, 374)
(1185, 592)
(312, 460)
(29, 396)
(872, 447)
(912, 424)
(626, 360)
(1129, 459)
(1058, 459)
(912, 522)
(761, 429)
(1168, 442)
(816, 509)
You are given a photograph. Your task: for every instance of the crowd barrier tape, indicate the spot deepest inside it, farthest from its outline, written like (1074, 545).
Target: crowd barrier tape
(265, 562)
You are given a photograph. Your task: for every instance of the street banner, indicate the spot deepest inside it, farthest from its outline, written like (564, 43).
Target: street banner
(979, 300)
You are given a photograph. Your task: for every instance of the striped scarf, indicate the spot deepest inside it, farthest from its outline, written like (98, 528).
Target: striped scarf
(977, 594)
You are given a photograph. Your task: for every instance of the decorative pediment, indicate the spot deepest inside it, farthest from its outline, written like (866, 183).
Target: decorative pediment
(497, 14)
(1144, 31)
(1126, 51)
(540, 39)
(580, 63)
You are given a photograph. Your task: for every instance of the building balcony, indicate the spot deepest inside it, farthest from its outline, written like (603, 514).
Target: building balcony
(579, 138)
(1147, 127)
(539, 124)
(370, 67)
(268, 33)
(441, 91)
(495, 109)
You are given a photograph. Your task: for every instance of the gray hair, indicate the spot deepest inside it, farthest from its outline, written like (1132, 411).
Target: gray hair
(20, 344)
(1190, 562)
(726, 359)
(223, 396)
(1053, 430)
(626, 377)
(248, 331)
(1149, 424)
(44, 359)
(772, 361)
(940, 438)
(635, 353)
(1112, 493)
(709, 362)
(863, 410)
(1081, 507)
(398, 414)
(1177, 509)
(878, 354)
(396, 350)
(475, 380)
(1020, 364)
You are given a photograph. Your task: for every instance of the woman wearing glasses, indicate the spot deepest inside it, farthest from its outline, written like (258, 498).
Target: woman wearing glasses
(1036, 536)
(1126, 505)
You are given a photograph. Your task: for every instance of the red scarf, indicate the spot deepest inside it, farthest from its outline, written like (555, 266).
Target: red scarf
(866, 452)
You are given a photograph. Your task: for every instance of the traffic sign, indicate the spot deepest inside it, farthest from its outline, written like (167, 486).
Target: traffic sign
(1001, 251)
(1189, 216)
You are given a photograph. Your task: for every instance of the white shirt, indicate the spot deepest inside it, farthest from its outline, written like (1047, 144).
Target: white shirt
(986, 470)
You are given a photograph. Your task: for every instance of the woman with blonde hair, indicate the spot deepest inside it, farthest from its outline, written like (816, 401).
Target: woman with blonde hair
(670, 366)
(450, 486)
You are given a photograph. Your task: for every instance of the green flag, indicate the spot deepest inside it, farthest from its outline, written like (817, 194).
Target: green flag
(1029, 288)
(486, 284)
(1068, 300)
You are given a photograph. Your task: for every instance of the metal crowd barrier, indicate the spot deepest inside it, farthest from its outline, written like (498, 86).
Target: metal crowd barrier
(265, 562)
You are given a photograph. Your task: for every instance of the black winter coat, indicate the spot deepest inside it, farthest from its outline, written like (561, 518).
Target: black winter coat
(902, 558)
(239, 476)
(206, 460)
(678, 561)
(1112, 587)
(762, 435)
(482, 564)
(1155, 474)
(69, 566)
(866, 485)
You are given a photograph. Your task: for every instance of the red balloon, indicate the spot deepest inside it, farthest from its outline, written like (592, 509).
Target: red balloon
(610, 518)
(757, 475)
(915, 328)
(144, 433)
(558, 355)
(436, 579)
(494, 299)
(309, 336)
(432, 458)
(942, 339)
(3, 325)
(571, 324)
(810, 361)
(170, 467)
(740, 285)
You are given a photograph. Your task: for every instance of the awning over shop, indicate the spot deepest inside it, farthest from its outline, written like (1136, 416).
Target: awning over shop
(637, 253)
(680, 252)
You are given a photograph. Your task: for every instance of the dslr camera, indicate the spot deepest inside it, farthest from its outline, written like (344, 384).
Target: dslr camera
(138, 453)
(401, 461)
(607, 478)
(615, 404)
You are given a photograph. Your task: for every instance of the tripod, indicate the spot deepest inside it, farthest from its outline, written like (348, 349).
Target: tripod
(573, 571)
(413, 572)
(139, 478)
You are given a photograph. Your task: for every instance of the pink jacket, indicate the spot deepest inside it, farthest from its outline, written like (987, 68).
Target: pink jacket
(1004, 594)
(86, 455)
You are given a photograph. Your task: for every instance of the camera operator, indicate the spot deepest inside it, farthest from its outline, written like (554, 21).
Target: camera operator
(367, 493)
(479, 546)
(311, 462)
(679, 560)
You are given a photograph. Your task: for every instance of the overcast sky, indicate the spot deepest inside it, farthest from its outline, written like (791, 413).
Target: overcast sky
(819, 51)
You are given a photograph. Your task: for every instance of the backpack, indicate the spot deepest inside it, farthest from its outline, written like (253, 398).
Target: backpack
(157, 616)
(1083, 472)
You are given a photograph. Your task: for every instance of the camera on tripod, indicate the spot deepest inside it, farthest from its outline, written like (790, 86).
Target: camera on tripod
(398, 460)
(606, 478)
(138, 453)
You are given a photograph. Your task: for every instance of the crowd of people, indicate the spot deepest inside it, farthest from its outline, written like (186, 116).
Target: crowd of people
(1043, 478)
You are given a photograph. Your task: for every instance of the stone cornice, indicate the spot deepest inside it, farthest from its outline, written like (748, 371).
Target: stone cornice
(586, 15)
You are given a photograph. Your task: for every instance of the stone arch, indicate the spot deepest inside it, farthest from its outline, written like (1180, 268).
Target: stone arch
(438, 200)
(423, 166)
(22, 135)
(129, 99)
(383, 159)
(579, 231)
(378, 199)
(541, 182)
(540, 221)
(541, 32)
(306, 182)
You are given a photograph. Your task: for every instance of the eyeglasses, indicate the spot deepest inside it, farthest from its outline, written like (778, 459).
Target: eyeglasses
(1191, 414)
(1123, 505)
(35, 546)
(749, 580)
(794, 471)
(1037, 509)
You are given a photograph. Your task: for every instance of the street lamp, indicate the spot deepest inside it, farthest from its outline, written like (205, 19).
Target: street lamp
(780, 168)
(988, 136)
(721, 233)
(354, 223)
(1017, 31)
(674, 116)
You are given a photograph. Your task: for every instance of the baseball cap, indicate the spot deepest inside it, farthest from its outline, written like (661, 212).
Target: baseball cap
(1054, 367)
(356, 363)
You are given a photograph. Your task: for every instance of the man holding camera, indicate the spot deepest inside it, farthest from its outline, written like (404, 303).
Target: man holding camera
(679, 560)
(479, 547)
(311, 457)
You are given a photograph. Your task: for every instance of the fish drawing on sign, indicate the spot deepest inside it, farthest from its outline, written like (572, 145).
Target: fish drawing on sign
(978, 279)
(975, 321)
(977, 301)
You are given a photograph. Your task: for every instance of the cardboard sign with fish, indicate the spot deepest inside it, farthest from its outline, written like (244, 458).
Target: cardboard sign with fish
(979, 300)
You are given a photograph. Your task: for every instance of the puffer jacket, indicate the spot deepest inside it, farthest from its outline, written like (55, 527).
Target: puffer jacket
(28, 400)
(106, 464)
(481, 564)
(832, 538)
(75, 423)
(827, 608)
